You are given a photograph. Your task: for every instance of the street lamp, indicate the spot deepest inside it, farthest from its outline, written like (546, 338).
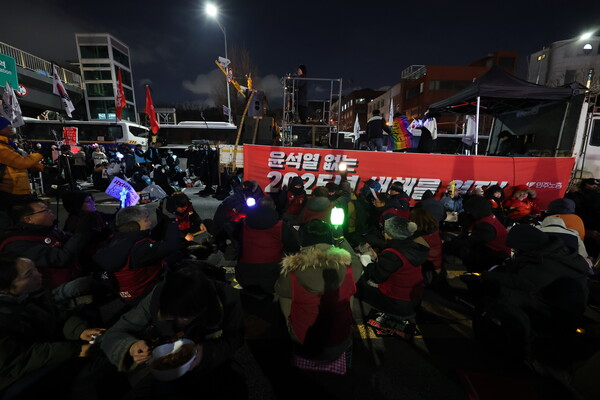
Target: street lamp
(213, 12)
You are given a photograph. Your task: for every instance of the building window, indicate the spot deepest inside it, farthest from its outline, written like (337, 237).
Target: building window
(102, 109)
(97, 75)
(362, 100)
(128, 94)
(595, 136)
(126, 78)
(412, 92)
(94, 65)
(99, 90)
(94, 51)
(120, 57)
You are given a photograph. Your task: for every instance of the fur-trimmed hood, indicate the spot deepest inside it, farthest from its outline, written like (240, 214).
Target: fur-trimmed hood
(319, 256)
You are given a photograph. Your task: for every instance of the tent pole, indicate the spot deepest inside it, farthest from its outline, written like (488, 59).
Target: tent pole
(477, 124)
(562, 128)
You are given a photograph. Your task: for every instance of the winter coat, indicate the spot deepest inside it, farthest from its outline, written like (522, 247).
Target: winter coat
(220, 338)
(265, 239)
(396, 278)
(316, 284)
(375, 127)
(136, 251)
(35, 333)
(317, 208)
(53, 252)
(529, 274)
(555, 226)
(14, 178)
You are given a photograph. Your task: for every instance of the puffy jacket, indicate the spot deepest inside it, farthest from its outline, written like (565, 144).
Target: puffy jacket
(15, 179)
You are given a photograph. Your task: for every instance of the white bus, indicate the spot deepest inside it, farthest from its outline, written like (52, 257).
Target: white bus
(88, 132)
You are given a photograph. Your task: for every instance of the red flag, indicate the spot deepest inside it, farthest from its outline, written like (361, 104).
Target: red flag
(154, 127)
(120, 99)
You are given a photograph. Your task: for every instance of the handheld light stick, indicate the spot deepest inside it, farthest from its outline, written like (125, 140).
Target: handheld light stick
(452, 187)
(337, 216)
(250, 202)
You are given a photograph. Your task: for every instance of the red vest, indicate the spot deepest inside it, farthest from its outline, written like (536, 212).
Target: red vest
(394, 211)
(51, 277)
(499, 243)
(322, 319)
(293, 203)
(262, 245)
(436, 256)
(323, 215)
(406, 283)
(138, 281)
(183, 220)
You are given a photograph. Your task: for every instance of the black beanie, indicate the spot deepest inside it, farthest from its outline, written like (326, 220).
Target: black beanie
(527, 238)
(314, 232)
(561, 206)
(72, 201)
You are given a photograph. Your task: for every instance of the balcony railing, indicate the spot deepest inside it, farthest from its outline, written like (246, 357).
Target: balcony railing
(42, 67)
(414, 72)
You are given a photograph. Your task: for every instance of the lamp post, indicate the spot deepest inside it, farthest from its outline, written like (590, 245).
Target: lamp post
(213, 12)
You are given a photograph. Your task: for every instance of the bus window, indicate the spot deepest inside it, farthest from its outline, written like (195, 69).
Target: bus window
(595, 134)
(139, 132)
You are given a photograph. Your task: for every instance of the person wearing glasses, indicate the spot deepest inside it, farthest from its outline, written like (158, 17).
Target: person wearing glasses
(35, 236)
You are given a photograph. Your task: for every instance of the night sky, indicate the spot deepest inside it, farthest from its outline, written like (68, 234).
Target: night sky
(368, 43)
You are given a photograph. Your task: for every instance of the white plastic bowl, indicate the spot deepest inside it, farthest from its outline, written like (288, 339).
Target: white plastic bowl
(174, 373)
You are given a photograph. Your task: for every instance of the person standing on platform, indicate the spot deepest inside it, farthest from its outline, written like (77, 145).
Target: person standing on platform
(375, 128)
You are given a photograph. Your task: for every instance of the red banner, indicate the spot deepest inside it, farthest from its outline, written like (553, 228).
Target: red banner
(273, 167)
(70, 135)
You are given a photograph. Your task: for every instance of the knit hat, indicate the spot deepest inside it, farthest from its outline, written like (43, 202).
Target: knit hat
(73, 201)
(561, 206)
(4, 123)
(296, 181)
(314, 232)
(527, 238)
(399, 228)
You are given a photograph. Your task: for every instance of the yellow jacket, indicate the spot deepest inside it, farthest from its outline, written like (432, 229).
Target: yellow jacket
(15, 179)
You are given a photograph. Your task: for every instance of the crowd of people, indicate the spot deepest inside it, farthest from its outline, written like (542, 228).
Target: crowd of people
(86, 303)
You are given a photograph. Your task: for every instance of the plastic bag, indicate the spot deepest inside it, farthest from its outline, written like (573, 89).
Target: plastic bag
(154, 191)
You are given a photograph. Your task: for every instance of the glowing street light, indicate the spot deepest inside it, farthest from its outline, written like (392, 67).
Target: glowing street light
(586, 36)
(212, 11)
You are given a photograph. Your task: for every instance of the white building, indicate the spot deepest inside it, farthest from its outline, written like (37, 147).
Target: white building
(567, 61)
(100, 56)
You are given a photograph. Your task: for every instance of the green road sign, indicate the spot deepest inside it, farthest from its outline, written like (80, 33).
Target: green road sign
(8, 71)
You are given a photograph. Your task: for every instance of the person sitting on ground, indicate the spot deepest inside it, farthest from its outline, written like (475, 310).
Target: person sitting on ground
(252, 189)
(542, 288)
(399, 200)
(35, 236)
(264, 240)
(521, 203)
(452, 200)
(429, 230)
(132, 257)
(393, 282)
(565, 209)
(482, 244)
(100, 176)
(187, 219)
(495, 195)
(555, 226)
(186, 305)
(42, 344)
(292, 201)
(315, 289)
(435, 207)
(318, 206)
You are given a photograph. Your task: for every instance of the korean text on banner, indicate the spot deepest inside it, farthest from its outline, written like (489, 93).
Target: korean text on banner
(273, 167)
